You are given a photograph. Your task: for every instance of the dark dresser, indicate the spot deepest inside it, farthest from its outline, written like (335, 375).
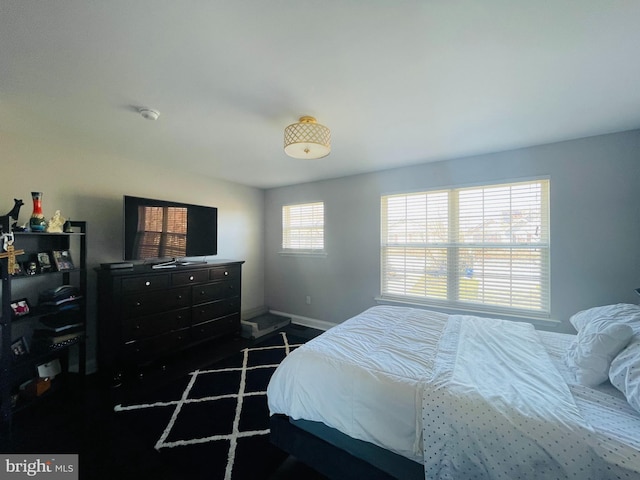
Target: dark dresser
(145, 314)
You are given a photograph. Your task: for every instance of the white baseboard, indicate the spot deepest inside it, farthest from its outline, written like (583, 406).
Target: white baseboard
(305, 321)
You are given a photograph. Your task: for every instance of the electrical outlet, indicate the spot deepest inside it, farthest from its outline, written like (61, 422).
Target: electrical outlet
(308, 299)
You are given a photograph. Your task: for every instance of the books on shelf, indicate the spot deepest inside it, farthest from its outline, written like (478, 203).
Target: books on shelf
(59, 295)
(61, 301)
(60, 318)
(58, 328)
(53, 328)
(54, 338)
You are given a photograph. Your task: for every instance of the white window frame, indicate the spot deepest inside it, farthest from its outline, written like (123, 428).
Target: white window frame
(303, 229)
(450, 248)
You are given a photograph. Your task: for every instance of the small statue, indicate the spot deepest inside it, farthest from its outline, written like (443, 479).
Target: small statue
(15, 212)
(56, 223)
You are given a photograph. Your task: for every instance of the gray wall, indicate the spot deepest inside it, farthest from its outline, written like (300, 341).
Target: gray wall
(595, 227)
(87, 185)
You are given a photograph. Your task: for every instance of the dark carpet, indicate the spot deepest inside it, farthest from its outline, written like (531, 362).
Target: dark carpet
(214, 422)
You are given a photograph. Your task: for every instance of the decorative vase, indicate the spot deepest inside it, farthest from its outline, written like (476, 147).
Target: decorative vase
(37, 222)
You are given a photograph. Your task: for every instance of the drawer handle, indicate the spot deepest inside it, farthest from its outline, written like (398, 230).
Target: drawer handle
(226, 273)
(137, 327)
(191, 278)
(138, 304)
(202, 292)
(147, 283)
(179, 297)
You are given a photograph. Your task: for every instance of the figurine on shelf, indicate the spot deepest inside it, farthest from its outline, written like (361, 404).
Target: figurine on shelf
(14, 213)
(56, 223)
(67, 226)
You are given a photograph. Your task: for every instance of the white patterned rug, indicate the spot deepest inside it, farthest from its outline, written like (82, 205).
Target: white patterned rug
(214, 423)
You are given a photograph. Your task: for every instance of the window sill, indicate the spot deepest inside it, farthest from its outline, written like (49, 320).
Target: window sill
(541, 321)
(303, 253)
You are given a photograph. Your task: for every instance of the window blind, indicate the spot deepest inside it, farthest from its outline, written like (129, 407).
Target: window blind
(479, 248)
(162, 232)
(303, 227)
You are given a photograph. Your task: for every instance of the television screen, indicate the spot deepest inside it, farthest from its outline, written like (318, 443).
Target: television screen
(155, 229)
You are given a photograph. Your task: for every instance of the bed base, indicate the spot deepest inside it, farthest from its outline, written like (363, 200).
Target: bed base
(320, 455)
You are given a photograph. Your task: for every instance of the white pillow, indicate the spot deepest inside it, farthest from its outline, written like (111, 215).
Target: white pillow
(625, 373)
(597, 343)
(620, 312)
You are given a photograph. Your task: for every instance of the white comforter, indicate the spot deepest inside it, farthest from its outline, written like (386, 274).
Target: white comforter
(364, 377)
(468, 397)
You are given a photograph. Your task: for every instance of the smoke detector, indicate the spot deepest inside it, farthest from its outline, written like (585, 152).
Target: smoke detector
(149, 113)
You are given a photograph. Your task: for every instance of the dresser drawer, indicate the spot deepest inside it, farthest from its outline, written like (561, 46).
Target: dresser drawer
(214, 328)
(145, 283)
(209, 311)
(155, 302)
(215, 291)
(142, 351)
(150, 325)
(189, 278)
(224, 273)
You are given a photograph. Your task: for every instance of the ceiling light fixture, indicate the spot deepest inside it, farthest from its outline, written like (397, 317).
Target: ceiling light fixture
(307, 139)
(148, 113)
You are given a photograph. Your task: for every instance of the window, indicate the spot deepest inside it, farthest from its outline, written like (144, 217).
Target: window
(162, 232)
(478, 248)
(303, 228)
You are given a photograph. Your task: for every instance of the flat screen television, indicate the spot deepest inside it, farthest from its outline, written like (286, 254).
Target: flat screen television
(160, 229)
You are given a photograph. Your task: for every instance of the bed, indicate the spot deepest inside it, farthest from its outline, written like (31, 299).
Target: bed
(398, 392)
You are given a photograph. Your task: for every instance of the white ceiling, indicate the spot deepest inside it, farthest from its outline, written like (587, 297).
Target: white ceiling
(397, 82)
